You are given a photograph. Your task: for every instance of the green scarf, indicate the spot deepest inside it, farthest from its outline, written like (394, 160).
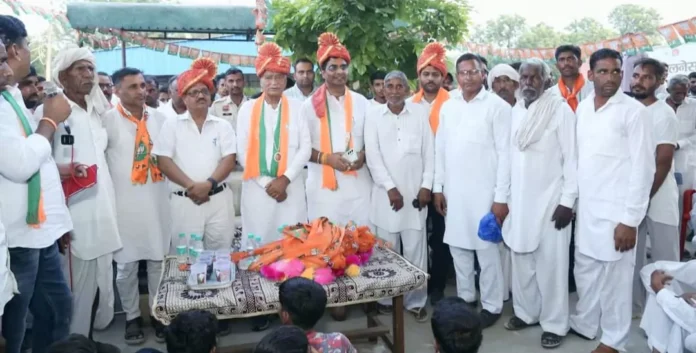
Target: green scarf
(34, 183)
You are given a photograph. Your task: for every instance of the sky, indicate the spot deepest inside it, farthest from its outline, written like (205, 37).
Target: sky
(552, 12)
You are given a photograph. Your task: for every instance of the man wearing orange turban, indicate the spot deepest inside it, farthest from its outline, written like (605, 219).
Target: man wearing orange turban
(197, 151)
(432, 70)
(338, 185)
(273, 145)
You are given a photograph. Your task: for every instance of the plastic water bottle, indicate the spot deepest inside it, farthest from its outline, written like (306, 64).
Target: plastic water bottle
(251, 246)
(199, 244)
(251, 243)
(194, 249)
(182, 249)
(258, 242)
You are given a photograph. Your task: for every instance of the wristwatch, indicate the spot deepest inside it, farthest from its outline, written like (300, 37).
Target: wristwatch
(213, 183)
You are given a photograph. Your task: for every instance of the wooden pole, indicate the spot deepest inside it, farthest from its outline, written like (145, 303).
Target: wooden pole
(49, 53)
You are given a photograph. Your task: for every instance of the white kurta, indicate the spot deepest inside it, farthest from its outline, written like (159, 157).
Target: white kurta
(543, 176)
(8, 285)
(472, 166)
(585, 91)
(669, 320)
(254, 197)
(684, 156)
(351, 200)
(616, 166)
(93, 210)
(664, 206)
(400, 154)
(295, 93)
(144, 220)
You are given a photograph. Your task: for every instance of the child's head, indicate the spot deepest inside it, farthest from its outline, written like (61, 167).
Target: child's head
(302, 302)
(455, 327)
(74, 344)
(192, 332)
(284, 339)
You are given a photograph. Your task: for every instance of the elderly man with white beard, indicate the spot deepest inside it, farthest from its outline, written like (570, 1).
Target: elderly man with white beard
(543, 188)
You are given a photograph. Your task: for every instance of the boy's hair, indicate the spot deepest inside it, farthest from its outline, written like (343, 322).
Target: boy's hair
(456, 328)
(192, 332)
(73, 344)
(284, 339)
(304, 300)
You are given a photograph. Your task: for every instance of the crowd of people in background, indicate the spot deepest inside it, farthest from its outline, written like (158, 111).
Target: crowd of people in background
(576, 175)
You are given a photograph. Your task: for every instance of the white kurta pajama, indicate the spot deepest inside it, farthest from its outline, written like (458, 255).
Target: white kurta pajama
(198, 154)
(144, 220)
(351, 200)
(662, 221)
(261, 214)
(472, 169)
(95, 233)
(685, 156)
(669, 321)
(400, 154)
(543, 176)
(616, 166)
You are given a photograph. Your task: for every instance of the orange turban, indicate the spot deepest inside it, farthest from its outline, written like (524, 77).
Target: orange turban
(330, 47)
(202, 70)
(434, 55)
(271, 58)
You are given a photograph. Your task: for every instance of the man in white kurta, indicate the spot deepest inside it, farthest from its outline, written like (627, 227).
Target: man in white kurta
(616, 165)
(669, 319)
(337, 188)
(277, 187)
(196, 152)
(543, 190)
(662, 220)
(176, 105)
(95, 234)
(401, 158)
(142, 196)
(304, 80)
(472, 178)
(572, 85)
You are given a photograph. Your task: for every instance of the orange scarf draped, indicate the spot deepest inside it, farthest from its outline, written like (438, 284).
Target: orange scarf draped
(142, 160)
(572, 97)
(253, 160)
(326, 145)
(441, 98)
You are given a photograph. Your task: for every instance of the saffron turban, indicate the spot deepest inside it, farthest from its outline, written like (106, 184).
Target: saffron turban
(330, 47)
(65, 59)
(271, 58)
(202, 70)
(433, 55)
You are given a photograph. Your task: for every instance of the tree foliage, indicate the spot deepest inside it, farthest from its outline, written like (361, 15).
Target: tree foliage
(380, 34)
(512, 31)
(630, 18)
(505, 31)
(587, 30)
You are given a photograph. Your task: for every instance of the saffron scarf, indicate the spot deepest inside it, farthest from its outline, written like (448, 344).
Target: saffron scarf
(325, 143)
(441, 98)
(35, 204)
(256, 147)
(572, 97)
(142, 160)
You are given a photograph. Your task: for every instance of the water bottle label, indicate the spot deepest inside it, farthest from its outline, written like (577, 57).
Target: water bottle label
(181, 250)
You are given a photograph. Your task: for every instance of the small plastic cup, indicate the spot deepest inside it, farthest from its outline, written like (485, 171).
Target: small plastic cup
(223, 270)
(199, 274)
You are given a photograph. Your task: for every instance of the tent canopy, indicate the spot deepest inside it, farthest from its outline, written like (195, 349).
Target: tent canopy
(211, 19)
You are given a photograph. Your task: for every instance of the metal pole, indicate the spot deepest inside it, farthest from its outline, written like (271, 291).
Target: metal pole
(123, 52)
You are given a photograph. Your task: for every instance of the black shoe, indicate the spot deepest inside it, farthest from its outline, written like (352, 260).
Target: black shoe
(260, 323)
(488, 319)
(224, 328)
(436, 296)
(159, 329)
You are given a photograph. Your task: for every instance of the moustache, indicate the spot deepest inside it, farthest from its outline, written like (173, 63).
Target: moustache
(638, 87)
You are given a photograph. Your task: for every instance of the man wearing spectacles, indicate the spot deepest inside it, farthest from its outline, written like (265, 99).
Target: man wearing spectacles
(472, 178)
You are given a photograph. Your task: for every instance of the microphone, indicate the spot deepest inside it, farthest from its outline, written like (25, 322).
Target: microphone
(51, 90)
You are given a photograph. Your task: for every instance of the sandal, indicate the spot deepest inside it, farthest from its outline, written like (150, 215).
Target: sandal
(134, 332)
(384, 309)
(550, 340)
(420, 314)
(580, 335)
(516, 324)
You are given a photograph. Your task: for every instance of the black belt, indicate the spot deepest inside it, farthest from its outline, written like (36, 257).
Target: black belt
(217, 190)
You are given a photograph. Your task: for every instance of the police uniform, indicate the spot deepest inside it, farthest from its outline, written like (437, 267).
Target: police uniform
(224, 108)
